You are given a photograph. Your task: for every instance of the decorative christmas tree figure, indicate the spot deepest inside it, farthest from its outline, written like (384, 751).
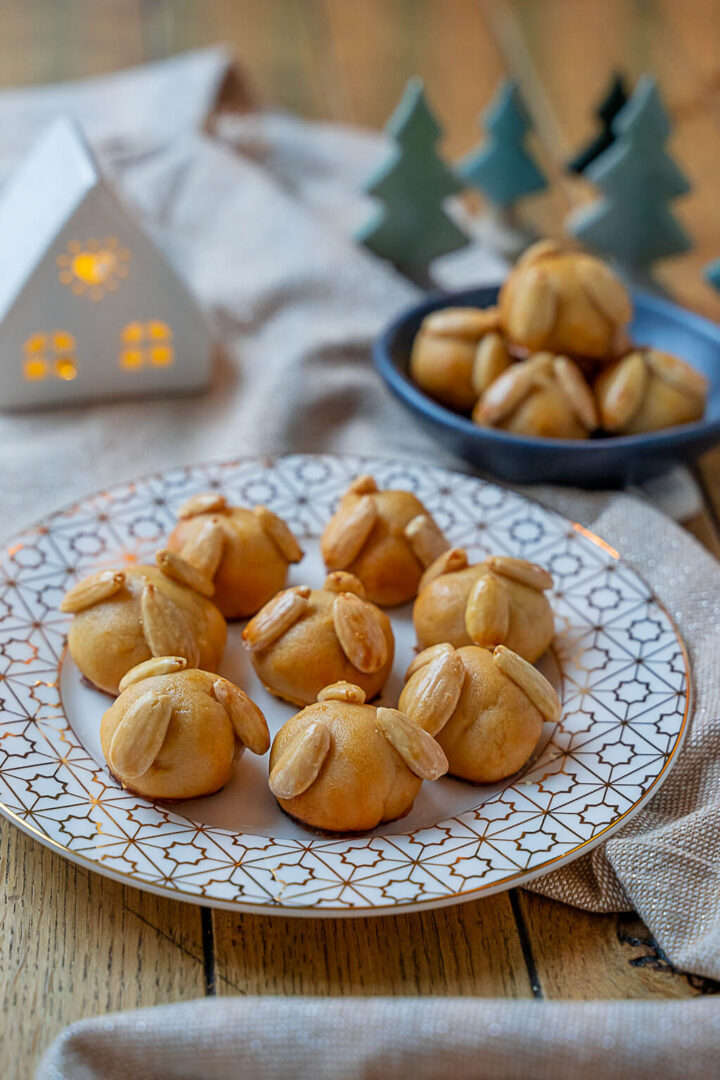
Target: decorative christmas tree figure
(502, 167)
(614, 100)
(411, 227)
(633, 224)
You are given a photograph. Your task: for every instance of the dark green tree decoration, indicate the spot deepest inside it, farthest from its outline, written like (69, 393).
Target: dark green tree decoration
(502, 168)
(615, 99)
(411, 228)
(632, 223)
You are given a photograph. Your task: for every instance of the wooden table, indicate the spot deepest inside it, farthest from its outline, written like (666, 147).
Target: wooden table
(74, 944)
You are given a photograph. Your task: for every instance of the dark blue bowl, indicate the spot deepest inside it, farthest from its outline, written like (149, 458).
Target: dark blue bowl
(599, 462)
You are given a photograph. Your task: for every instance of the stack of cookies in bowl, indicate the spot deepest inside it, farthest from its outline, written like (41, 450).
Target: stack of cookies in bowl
(554, 358)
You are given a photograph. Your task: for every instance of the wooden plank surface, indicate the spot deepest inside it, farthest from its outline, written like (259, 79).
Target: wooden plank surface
(74, 944)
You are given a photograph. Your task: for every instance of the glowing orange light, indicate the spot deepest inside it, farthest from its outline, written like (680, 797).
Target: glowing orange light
(93, 268)
(65, 368)
(131, 359)
(145, 339)
(158, 331)
(162, 356)
(35, 370)
(35, 344)
(62, 341)
(134, 331)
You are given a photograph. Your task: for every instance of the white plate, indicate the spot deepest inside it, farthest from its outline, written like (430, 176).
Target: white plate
(617, 661)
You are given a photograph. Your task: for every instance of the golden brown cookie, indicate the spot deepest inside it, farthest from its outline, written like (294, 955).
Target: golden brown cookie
(122, 617)
(343, 766)
(304, 639)
(497, 602)
(385, 538)
(544, 396)
(649, 390)
(176, 733)
(245, 553)
(565, 302)
(485, 709)
(456, 353)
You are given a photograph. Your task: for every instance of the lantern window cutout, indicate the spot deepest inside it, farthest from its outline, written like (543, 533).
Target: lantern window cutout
(48, 355)
(115, 319)
(149, 343)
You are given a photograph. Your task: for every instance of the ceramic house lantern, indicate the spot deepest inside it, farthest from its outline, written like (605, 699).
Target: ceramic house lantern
(89, 306)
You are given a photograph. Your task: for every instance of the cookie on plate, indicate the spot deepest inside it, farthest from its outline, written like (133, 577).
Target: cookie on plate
(176, 733)
(306, 638)
(385, 538)
(485, 709)
(244, 553)
(343, 766)
(500, 601)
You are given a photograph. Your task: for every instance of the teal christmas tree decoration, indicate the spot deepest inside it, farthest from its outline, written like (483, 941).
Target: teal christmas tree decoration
(712, 273)
(615, 99)
(502, 167)
(411, 228)
(632, 223)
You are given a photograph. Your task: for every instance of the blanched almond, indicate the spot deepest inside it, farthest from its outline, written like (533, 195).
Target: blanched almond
(139, 736)
(576, 391)
(166, 628)
(359, 628)
(491, 359)
(204, 548)
(362, 485)
(179, 569)
(92, 590)
(419, 751)
(487, 611)
(343, 581)
(209, 502)
(426, 656)
(620, 391)
(521, 570)
(675, 372)
(276, 618)
(347, 532)
(425, 539)
(431, 695)
(466, 323)
(278, 531)
(247, 720)
(342, 691)
(298, 766)
(605, 290)
(505, 394)
(538, 251)
(158, 665)
(451, 560)
(533, 308)
(531, 682)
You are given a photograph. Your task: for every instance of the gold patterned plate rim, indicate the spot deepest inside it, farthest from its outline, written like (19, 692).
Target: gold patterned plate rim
(640, 693)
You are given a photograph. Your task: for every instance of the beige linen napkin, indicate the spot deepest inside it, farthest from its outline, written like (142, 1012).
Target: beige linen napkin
(295, 305)
(269, 1038)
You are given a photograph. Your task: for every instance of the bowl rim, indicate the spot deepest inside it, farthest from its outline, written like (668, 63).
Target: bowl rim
(403, 386)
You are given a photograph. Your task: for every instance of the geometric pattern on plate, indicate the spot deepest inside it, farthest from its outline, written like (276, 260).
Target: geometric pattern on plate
(624, 687)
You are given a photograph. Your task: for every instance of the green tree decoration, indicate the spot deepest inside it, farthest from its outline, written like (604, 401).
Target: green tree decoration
(502, 167)
(411, 227)
(632, 223)
(615, 98)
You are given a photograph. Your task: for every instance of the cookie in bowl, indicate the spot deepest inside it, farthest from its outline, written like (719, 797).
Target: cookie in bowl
(500, 601)
(565, 302)
(545, 396)
(177, 733)
(485, 709)
(456, 352)
(305, 638)
(343, 766)
(649, 390)
(123, 617)
(245, 553)
(385, 538)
